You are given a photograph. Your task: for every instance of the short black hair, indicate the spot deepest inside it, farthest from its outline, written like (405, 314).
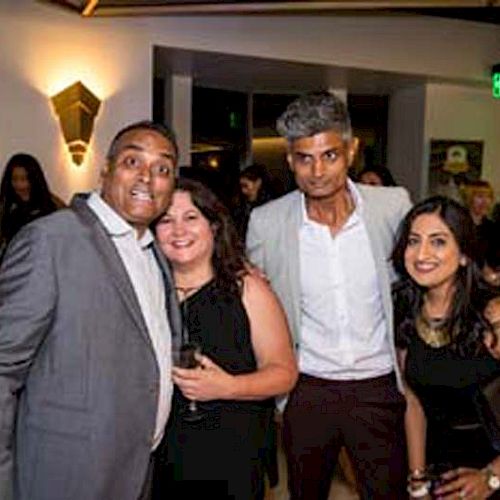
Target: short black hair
(161, 128)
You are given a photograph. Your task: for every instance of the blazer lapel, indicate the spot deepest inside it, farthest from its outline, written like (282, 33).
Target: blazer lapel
(172, 304)
(113, 263)
(374, 234)
(291, 248)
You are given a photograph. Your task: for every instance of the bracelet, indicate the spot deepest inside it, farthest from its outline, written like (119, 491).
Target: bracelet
(419, 492)
(416, 475)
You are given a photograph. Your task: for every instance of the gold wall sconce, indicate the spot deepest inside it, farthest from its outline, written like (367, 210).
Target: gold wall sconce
(77, 108)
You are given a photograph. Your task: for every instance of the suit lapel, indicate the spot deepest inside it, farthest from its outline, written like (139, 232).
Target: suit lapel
(292, 242)
(374, 234)
(113, 263)
(291, 247)
(172, 304)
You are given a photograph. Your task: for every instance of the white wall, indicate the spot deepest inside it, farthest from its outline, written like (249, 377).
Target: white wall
(43, 48)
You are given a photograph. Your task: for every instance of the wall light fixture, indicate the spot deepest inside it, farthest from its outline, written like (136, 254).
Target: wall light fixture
(77, 108)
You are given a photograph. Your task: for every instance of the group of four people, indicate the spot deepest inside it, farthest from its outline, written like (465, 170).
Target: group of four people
(92, 306)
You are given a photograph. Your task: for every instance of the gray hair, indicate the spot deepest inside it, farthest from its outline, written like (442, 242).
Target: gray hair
(160, 128)
(312, 114)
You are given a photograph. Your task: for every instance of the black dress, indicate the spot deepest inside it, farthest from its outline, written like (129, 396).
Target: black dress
(222, 456)
(445, 384)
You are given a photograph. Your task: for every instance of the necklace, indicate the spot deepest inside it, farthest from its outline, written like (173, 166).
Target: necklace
(434, 333)
(186, 291)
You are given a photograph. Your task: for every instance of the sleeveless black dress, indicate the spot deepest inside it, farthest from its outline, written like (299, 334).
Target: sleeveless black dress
(222, 456)
(445, 384)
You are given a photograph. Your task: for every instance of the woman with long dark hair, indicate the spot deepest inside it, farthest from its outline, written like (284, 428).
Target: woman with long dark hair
(218, 448)
(444, 343)
(24, 195)
(255, 190)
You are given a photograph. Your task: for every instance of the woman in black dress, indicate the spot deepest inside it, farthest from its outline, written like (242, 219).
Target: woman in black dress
(247, 357)
(446, 352)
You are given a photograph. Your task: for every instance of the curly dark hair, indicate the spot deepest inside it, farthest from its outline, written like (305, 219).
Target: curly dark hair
(228, 259)
(471, 293)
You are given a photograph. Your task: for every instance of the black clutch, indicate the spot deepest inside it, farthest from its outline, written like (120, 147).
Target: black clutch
(487, 402)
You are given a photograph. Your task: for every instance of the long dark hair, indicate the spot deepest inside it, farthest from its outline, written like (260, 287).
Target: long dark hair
(39, 195)
(228, 259)
(256, 172)
(471, 293)
(40, 200)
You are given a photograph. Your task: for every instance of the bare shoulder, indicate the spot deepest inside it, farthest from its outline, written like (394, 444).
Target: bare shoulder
(256, 285)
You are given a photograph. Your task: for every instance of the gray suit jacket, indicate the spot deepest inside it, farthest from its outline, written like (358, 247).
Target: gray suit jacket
(78, 374)
(273, 245)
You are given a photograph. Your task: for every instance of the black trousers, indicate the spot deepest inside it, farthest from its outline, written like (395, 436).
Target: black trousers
(366, 416)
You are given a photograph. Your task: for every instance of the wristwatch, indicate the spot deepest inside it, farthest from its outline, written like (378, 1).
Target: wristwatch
(492, 479)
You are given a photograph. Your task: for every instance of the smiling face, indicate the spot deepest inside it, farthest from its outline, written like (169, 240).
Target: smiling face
(21, 183)
(432, 256)
(320, 164)
(138, 184)
(185, 234)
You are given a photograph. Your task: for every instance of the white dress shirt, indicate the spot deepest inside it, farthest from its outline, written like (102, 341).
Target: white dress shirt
(343, 327)
(147, 280)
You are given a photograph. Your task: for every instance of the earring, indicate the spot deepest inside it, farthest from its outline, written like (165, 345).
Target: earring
(463, 261)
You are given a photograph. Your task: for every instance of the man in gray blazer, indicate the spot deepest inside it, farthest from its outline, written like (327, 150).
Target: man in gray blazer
(87, 310)
(325, 249)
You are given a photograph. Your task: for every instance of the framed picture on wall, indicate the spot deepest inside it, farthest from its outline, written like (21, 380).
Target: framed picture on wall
(453, 163)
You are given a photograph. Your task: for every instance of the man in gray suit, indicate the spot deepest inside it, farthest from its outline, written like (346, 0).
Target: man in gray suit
(87, 311)
(325, 249)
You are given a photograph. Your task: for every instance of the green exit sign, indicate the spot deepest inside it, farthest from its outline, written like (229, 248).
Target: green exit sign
(495, 81)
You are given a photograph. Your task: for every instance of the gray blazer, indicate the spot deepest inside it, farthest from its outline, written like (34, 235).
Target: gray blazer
(273, 245)
(78, 373)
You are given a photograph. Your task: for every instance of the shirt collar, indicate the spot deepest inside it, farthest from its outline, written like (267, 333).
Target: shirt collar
(114, 224)
(356, 198)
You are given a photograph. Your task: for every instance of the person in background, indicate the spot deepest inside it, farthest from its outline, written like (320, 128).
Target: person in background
(24, 196)
(478, 197)
(255, 190)
(246, 359)
(491, 265)
(376, 176)
(87, 310)
(447, 351)
(325, 249)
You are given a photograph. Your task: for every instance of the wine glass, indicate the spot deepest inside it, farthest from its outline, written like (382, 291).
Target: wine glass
(185, 356)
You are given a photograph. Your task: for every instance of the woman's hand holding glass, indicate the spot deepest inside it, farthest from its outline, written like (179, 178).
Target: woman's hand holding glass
(206, 382)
